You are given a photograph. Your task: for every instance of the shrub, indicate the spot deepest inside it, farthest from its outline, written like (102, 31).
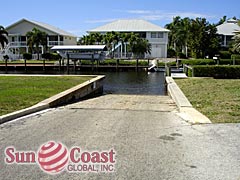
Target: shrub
(27, 56)
(6, 57)
(199, 62)
(217, 71)
(225, 54)
(229, 62)
(171, 53)
(235, 56)
(55, 56)
(47, 56)
(182, 55)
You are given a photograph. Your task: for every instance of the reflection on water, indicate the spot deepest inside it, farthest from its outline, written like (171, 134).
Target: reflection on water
(135, 83)
(126, 82)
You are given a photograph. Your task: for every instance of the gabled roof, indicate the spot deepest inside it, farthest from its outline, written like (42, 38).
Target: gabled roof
(228, 28)
(45, 26)
(130, 25)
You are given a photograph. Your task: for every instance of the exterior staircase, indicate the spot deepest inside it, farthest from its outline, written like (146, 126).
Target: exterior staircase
(8, 51)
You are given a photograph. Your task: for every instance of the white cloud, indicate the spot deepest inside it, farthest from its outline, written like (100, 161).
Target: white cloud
(160, 15)
(138, 12)
(150, 15)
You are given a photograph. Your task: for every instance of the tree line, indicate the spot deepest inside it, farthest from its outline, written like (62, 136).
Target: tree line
(196, 37)
(192, 37)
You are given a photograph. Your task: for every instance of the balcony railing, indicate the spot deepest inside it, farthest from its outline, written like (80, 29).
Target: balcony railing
(24, 43)
(54, 43)
(18, 44)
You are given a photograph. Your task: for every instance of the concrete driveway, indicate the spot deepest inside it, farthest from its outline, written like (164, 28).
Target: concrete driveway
(150, 139)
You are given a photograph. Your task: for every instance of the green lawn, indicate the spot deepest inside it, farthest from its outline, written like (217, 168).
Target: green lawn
(18, 92)
(218, 99)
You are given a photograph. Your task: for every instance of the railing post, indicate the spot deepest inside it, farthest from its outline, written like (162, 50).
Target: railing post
(193, 72)
(67, 63)
(167, 70)
(117, 64)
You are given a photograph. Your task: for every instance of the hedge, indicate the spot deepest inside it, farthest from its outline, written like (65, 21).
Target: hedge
(225, 54)
(27, 56)
(221, 71)
(51, 56)
(199, 62)
(229, 62)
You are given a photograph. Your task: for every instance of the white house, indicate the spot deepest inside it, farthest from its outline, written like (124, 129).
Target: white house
(18, 40)
(156, 35)
(227, 30)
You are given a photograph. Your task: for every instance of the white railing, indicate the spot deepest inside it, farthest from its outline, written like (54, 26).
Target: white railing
(120, 55)
(24, 43)
(18, 44)
(53, 43)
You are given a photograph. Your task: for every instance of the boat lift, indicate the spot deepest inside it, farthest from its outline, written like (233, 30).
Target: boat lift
(81, 52)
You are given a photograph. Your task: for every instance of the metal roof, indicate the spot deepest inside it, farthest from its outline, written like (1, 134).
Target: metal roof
(81, 47)
(45, 26)
(130, 25)
(228, 28)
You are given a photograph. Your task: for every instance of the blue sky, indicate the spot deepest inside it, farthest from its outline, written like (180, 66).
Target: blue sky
(78, 16)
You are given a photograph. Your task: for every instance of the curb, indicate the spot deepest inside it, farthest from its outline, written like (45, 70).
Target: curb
(92, 86)
(187, 112)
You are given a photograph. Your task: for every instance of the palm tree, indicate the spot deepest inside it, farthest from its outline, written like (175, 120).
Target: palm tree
(133, 40)
(236, 41)
(140, 47)
(36, 38)
(3, 37)
(97, 37)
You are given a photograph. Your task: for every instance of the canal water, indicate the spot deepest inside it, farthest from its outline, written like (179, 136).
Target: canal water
(135, 83)
(142, 83)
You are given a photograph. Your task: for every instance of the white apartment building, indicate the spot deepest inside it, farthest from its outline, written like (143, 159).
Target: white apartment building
(156, 35)
(18, 40)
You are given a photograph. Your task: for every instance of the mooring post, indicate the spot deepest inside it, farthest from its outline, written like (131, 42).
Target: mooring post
(167, 70)
(117, 64)
(59, 65)
(92, 62)
(6, 69)
(67, 63)
(74, 65)
(43, 64)
(137, 65)
(25, 64)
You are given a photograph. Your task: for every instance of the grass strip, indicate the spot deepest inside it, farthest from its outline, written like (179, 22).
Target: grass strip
(18, 92)
(218, 99)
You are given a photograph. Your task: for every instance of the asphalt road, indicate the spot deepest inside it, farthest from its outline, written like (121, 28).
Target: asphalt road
(151, 141)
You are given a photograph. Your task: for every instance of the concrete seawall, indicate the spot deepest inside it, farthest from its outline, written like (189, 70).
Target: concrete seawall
(91, 87)
(186, 110)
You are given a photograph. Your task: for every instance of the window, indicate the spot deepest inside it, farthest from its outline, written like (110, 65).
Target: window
(157, 35)
(142, 35)
(160, 35)
(13, 39)
(153, 35)
(23, 38)
(53, 38)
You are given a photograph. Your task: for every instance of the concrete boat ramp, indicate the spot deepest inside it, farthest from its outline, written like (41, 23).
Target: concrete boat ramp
(150, 139)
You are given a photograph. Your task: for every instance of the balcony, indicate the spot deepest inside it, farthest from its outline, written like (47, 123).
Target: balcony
(54, 43)
(18, 44)
(24, 43)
